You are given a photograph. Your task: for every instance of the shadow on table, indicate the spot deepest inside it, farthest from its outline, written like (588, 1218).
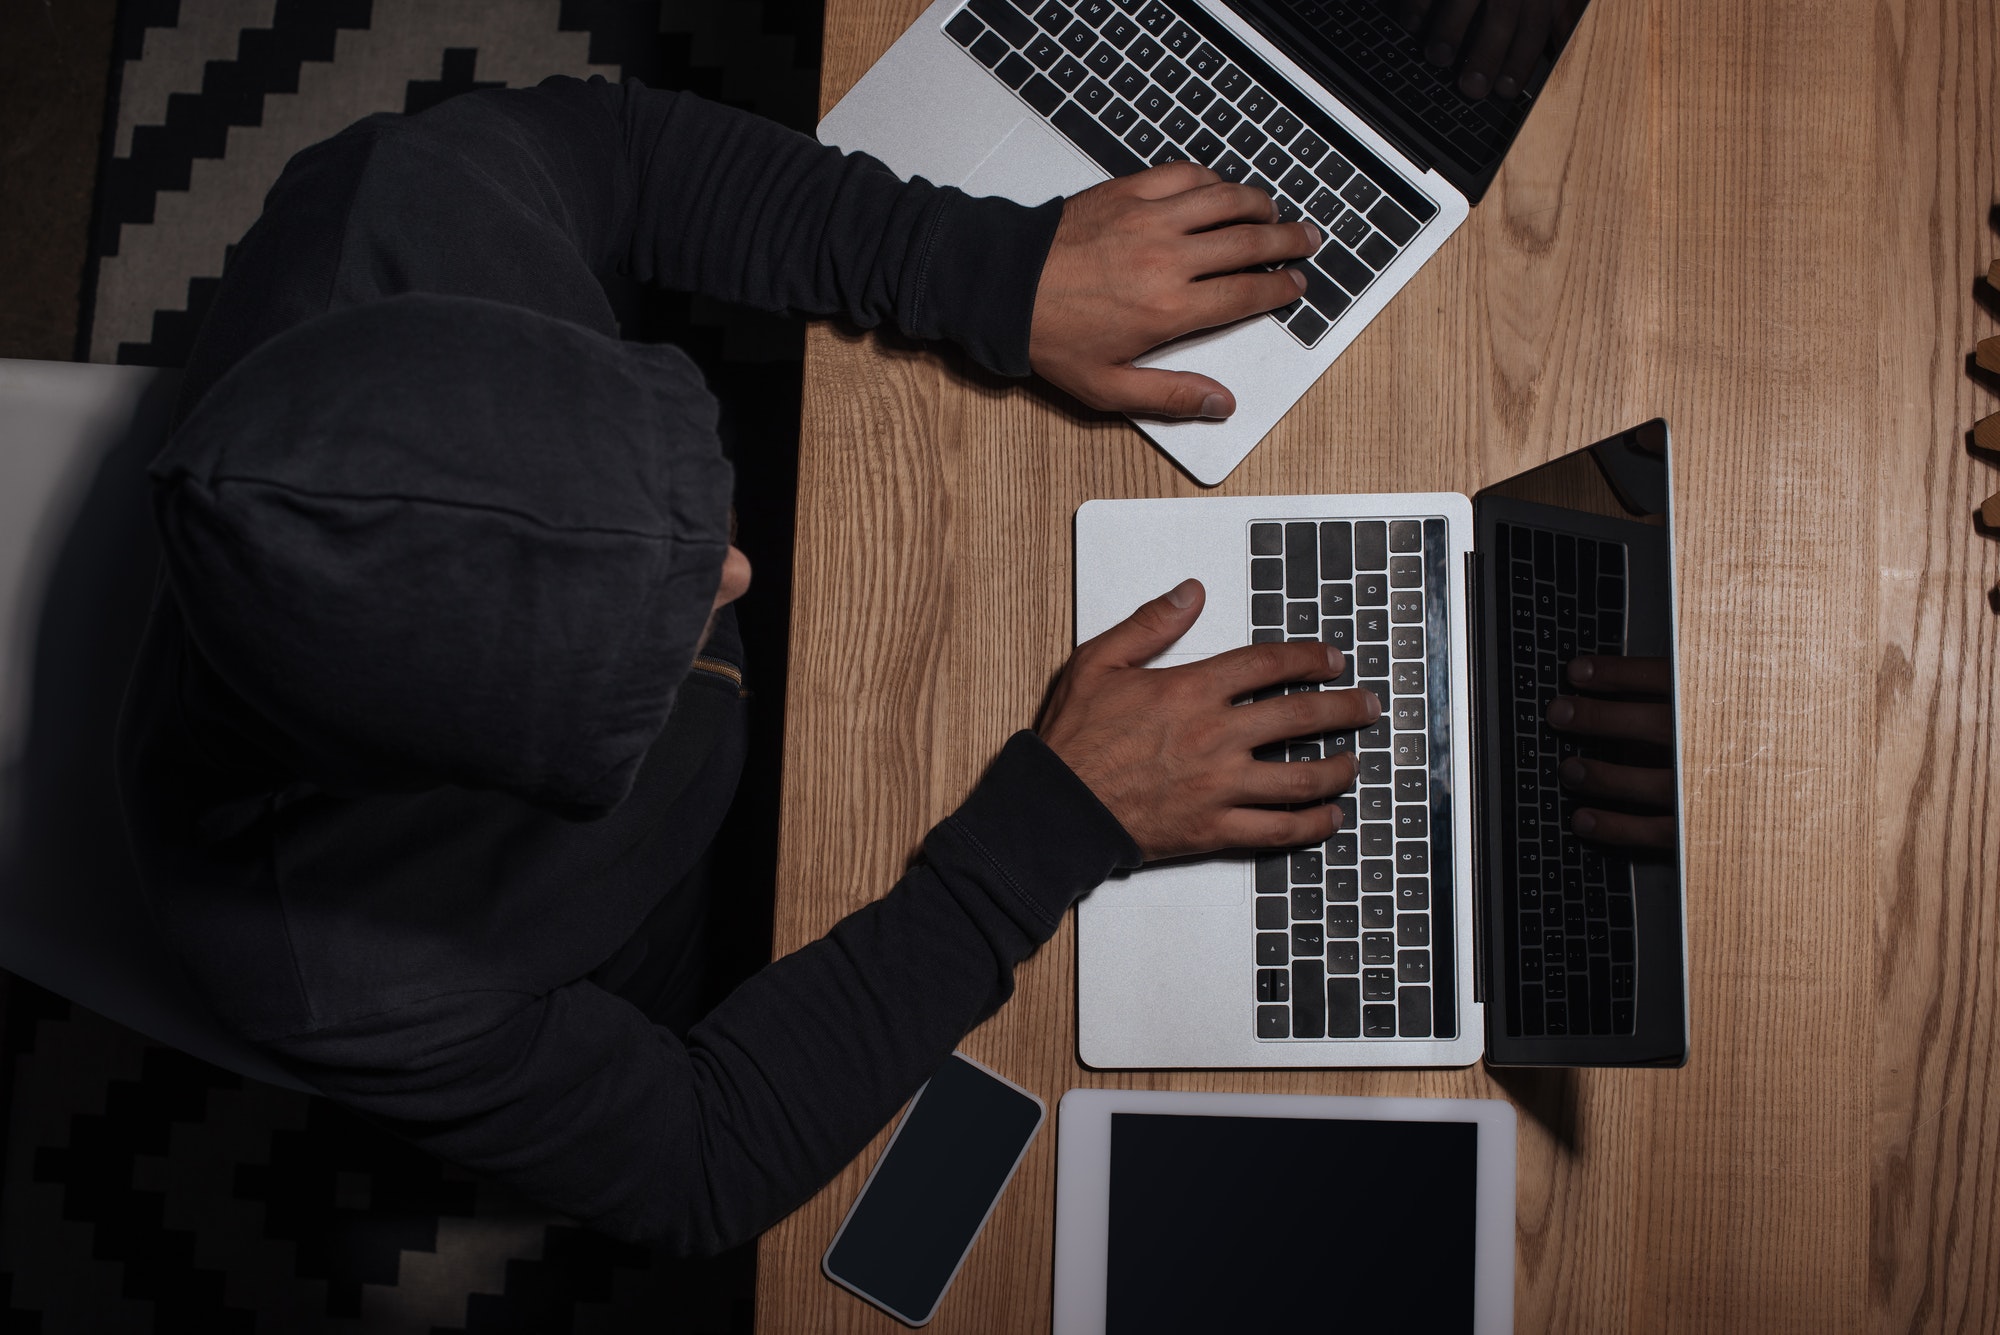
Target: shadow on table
(1547, 1095)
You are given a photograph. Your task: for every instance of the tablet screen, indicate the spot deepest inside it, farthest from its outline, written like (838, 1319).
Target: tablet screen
(1293, 1223)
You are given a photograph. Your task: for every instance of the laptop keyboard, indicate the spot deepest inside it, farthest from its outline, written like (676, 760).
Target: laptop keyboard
(1135, 83)
(1570, 950)
(1354, 938)
(1369, 46)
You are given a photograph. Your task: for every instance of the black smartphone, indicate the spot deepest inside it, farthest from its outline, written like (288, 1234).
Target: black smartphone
(933, 1189)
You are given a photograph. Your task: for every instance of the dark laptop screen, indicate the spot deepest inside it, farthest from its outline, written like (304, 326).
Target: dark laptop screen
(1279, 1223)
(1575, 745)
(1362, 54)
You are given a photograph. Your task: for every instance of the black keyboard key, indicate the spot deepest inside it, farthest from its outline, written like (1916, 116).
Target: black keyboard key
(1406, 535)
(1171, 74)
(1378, 1021)
(1408, 711)
(1144, 140)
(1308, 868)
(1220, 117)
(1302, 619)
(1267, 609)
(1308, 999)
(1006, 20)
(1098, 143)
(1178, 123)
(1309, 148)
(1015, 71)
(1336, 550)
(1273, 913)
(1202, 58)
(1302, 563)
(1336, 600)
(1343, 922)
(1118, 117)
(1274, 947)
(1256, 104)
(1043, 51)
(1308, 903)
(1405, 572)
(1377, 250)
(1308, 939)
(1195, 96)
(1413, 929)
(1343, 1008)
(1378, 985)
(1103, 61)
(1413, 1012)
(990, 49)
(1205, 148)
(1247, 140)
(1274, 1022)
(1378, 912)
(1413, 966)
(1351, 229)
(1299, 183)
(1343, 957)
(1371, 588)
(1282, 126)
(1258, 183)
(1350, 273)
(1413, 822)
(1231, 82)
(1267, 635)
(1336, 171)
(1274, 162)
(1069, 74)
(1153, 104)
(1094, 12)
(1371, 545)
(1274, 985)
(1323, 293)
(1378, 948)
(1273, 871)
(1156, 18)
(1324, 206)
(964, 28)
(1078, 38)
(1308, 326)
(1120, 32)
(1267, 539)
(1340, 850)
(1395, 224)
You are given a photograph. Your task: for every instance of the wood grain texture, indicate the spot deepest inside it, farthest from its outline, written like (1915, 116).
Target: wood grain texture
(1764, 222)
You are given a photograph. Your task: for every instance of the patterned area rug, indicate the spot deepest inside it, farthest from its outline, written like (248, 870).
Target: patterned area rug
(140, 1189)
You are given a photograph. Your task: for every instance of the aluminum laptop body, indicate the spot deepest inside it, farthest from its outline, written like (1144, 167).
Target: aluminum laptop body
(1455, 914)
(1029, 99)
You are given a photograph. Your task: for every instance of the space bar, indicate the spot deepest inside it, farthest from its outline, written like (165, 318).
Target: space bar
(1097, 142)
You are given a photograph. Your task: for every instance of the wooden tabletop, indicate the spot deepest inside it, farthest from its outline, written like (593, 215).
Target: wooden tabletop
(1767, 222)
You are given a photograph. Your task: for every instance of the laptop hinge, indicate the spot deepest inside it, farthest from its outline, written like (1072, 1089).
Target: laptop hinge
(1475, 616)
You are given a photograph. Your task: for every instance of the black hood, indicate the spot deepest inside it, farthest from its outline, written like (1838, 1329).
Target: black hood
(436, 540)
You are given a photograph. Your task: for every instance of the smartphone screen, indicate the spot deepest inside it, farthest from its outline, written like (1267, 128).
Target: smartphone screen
(932, 1189)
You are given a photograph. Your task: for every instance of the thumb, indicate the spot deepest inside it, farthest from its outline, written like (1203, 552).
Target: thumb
(1153, 393)
(1158, 623)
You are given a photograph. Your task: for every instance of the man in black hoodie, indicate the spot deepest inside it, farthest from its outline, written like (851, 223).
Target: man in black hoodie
(438, 705)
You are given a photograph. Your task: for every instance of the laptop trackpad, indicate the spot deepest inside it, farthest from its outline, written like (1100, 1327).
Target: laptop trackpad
(1178, 885)
(1031, 166)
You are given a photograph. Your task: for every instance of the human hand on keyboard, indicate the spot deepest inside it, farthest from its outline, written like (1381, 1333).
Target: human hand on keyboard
(1511, 36)
(1168, 751)
(1644, 718)
(1140, 260)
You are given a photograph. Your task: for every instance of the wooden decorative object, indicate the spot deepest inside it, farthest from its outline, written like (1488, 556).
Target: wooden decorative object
(1989, 510)
(1988, 354)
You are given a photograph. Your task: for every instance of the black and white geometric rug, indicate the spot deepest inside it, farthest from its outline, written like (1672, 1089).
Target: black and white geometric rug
(140, 1189)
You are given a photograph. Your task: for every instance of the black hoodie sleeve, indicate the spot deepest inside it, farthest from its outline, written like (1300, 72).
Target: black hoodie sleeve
(574, 1099)
(538, 196)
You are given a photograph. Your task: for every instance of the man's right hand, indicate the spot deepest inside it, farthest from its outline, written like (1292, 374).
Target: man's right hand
(1140, 260)
(1168, 751)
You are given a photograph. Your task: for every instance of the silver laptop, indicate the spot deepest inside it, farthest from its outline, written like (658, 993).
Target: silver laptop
(1328, 107)
(1457, 912)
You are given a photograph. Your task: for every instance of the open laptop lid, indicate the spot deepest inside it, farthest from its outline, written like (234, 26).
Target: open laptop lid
(1357, 49)
(1583, 949)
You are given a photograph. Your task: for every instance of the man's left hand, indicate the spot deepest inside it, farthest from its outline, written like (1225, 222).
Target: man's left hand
(1139, 261)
